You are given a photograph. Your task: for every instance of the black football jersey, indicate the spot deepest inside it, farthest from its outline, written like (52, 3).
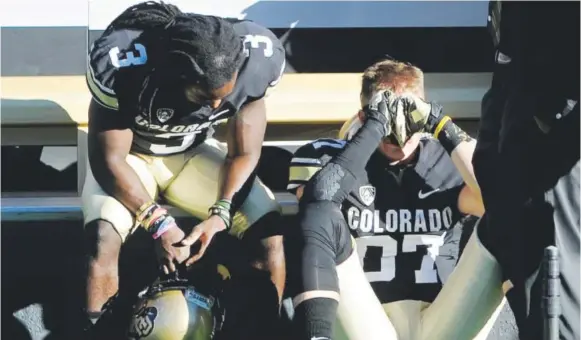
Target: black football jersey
(399, 215)
(119, 78)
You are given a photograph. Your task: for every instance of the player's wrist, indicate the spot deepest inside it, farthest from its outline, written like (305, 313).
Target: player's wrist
(436, 119)
(450, 135)
(221, 209)
(155, 219)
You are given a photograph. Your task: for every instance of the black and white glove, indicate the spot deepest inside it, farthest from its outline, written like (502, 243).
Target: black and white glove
(421, 116)
(380, 110)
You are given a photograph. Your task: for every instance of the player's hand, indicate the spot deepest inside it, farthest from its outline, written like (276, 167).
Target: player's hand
(420, 116)
(167, 250)
(378, 109)
(203, 232)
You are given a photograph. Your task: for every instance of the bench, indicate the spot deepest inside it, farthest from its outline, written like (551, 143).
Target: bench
(52, 111)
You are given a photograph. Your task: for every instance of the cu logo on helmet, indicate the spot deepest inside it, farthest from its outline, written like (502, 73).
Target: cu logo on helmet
(143, 323)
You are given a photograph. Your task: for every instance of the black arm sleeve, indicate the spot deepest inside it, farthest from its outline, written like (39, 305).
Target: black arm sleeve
(336, 179)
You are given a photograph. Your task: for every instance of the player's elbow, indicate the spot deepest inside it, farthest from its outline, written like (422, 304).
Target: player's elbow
(470, 202)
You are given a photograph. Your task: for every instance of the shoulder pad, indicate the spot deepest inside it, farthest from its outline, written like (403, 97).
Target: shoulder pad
(114, 51)
(264, 66)
(310, 158)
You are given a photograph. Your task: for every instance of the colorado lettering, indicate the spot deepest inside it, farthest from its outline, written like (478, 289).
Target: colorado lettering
(402, 220)
(178, 129)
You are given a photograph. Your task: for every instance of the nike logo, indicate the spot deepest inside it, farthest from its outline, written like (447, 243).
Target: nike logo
(423, 195)
(216, 115)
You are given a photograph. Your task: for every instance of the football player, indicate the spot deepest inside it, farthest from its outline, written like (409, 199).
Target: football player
(160, 79)
(527, 159)
(413, 190)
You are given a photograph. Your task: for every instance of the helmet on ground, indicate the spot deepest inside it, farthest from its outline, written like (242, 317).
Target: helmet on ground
(175, 310)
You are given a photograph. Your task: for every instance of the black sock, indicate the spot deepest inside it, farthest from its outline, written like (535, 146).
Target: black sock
(94, 316)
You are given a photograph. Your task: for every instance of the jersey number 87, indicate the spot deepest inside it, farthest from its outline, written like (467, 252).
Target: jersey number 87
(425, 274)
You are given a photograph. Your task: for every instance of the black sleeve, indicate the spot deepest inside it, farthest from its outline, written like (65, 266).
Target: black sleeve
(336, 179)
(114, 62)
(538, 36)
(264, 66)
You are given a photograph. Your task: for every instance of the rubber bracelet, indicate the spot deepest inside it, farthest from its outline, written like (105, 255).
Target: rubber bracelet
(146, 214)
(164, 226)
(221, 212)
(156, 214)
(224, 203)
(143, 209)
(440, 126)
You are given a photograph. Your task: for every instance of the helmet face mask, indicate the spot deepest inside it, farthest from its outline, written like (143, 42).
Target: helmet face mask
(175, 310)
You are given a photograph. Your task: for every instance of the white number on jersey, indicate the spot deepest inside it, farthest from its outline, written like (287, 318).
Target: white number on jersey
(188, 139)
(161, 149)
(256, 41)
(425, 274)
(130, 58)
(338, 144)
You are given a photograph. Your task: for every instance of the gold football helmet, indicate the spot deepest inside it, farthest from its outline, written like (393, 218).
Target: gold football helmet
(175, 310)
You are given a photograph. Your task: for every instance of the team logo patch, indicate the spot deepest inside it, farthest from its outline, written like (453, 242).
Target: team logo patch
(163, 115)
(367, 194)
(199, 299)
(143, 323)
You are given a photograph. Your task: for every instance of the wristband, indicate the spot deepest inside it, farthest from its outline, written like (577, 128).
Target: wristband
(222, 209)
(152, 217)
(440, 126)
(145, 210)
(161, 225)
(451, 135)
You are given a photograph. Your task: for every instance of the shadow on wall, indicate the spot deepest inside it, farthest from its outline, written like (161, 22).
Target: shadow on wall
(27, 126)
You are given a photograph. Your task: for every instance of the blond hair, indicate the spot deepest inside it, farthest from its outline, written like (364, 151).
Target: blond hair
(392, 75)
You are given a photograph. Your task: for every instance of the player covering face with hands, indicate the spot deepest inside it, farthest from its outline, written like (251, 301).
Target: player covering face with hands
(410, 191)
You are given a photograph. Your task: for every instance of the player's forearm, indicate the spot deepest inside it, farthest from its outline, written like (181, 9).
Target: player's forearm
(337, 178)
(238, 170)
(119, 180)
(460, 146)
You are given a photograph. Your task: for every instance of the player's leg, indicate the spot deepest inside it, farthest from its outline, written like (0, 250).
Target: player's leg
(107, 224)
(469, 298)
(406, 317)
(312, 250)
(564, 198)
(360, 314)
(327, 281)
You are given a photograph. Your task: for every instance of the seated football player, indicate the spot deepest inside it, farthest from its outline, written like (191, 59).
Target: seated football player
(160, 79)
(416, 186)
(320, 246)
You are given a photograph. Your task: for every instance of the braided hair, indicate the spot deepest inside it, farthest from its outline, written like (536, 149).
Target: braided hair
(185, 47)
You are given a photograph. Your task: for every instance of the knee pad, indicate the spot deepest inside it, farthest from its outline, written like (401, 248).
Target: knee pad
(315, 318)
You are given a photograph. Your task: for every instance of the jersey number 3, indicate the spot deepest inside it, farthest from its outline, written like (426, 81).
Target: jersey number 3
(257, 41)
(131, 59)
(425, 274)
